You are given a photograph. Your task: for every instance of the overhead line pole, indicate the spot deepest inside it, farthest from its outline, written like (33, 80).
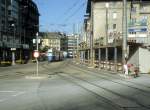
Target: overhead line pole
(124, 32)
(91, 37)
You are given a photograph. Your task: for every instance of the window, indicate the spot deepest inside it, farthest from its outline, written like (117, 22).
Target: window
(114, 26)
(114, 15)
(133, 9)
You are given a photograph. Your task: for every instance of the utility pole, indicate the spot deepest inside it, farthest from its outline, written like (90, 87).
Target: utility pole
(106, 53)
(92, 36)
(74, 34)
(124, 32)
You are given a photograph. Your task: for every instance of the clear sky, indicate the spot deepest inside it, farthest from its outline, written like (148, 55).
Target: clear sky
(61, 15)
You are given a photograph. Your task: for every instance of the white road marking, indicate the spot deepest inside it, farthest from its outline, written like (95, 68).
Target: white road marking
(20, 93)
(7, 91)
(2, 100)
(15, 94)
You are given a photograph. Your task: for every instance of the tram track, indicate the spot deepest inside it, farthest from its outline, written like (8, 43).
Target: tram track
(99, 92)
(80, 81)
(108, 75)
(145, 92)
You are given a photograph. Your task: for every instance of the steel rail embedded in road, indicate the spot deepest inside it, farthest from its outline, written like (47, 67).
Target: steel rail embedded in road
(67, 76)
(109, 75)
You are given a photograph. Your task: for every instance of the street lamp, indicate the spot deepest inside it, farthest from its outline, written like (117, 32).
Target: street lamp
(13, 49)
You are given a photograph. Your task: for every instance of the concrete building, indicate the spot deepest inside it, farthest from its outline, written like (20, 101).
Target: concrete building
(72, 45)
(51, 40)
(64, 43)
(103, 31)
(60, 42)
(18, 26)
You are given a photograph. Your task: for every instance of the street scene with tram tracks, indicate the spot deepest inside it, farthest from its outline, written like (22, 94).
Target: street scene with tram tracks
(66, 85)
(74, 55)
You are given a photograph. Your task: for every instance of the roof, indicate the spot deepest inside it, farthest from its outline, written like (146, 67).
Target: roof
(51, 35)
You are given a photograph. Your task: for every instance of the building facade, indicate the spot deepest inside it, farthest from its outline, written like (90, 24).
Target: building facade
(64, 43)
(18, 26)
(51, 40)
(103, 31)
(72, 45)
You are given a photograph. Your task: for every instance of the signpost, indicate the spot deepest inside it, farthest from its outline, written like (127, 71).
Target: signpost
(36, 54)
(13, 55)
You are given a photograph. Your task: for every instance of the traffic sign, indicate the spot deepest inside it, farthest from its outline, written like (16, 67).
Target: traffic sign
(36, 54)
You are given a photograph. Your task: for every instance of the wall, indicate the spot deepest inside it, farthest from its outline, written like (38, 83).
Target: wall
(140, 57)
(99, 18)
(133, 55)
(144, 60)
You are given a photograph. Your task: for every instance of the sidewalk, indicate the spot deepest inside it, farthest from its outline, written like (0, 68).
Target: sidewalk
(141, 77)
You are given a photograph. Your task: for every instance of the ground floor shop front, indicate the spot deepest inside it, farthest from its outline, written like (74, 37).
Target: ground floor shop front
(19, 55)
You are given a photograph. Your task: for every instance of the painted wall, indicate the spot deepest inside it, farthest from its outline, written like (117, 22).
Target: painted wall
(99, 18)
(133, 56)
(144, 60)
(140, 57)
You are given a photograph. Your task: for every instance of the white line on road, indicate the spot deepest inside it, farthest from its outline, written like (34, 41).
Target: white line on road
(2, 100)
(7, 91)
(20, 93)
(15, 95)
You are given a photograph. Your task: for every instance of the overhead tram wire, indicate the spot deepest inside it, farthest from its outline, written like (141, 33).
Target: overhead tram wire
(75, 12)
(70, 8)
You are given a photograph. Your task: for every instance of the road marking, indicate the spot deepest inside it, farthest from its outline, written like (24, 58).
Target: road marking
(20, 93)
(36, 77)
(2, 100)
(7, 91)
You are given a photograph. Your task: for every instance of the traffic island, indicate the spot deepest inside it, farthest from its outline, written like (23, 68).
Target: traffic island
(37, 77)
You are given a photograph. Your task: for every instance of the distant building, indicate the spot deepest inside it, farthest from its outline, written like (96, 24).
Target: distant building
(64, 43)
(72, 45)
(51, 40)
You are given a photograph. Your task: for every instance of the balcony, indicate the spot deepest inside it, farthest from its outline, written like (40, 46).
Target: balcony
(137, 23)
(138, 39)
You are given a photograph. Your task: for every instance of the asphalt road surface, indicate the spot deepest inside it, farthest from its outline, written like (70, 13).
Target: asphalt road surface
(68, 86)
